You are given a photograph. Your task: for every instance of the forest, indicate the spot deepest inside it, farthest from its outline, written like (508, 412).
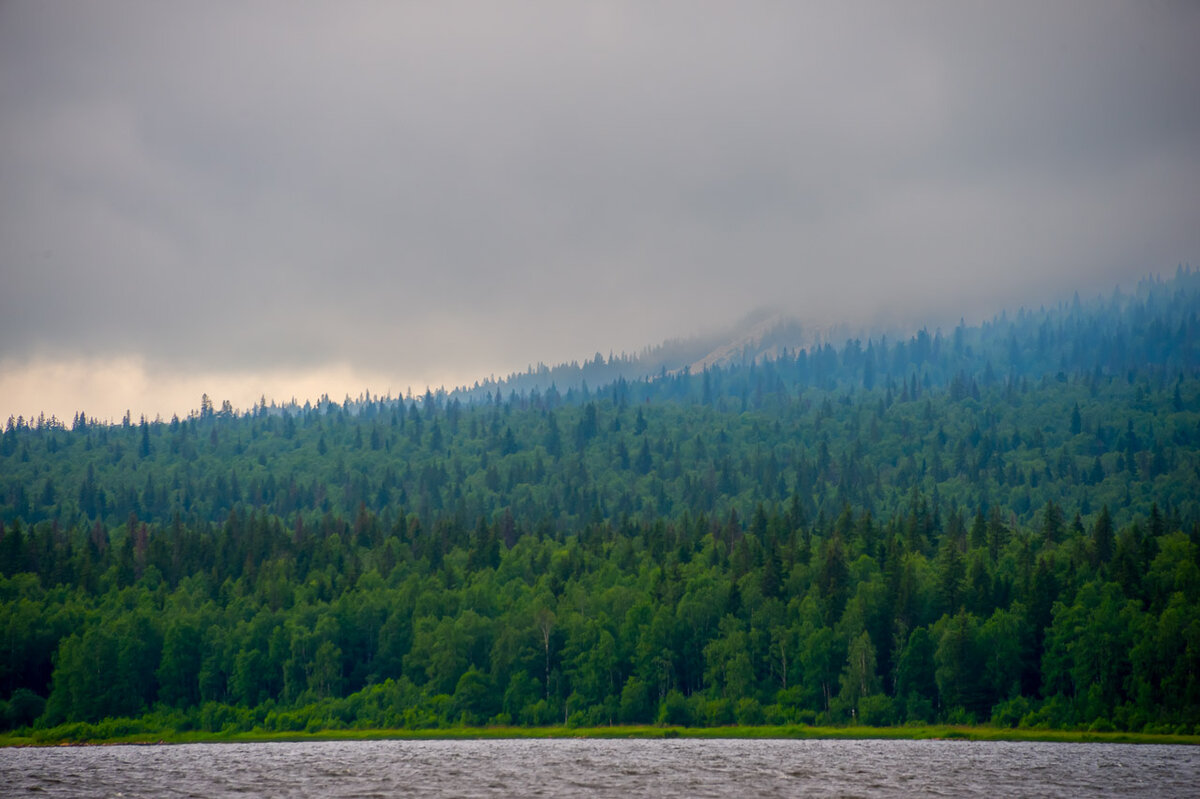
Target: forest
(998, 524)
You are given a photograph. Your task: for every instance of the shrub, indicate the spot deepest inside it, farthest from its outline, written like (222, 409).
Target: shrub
(714, 712)
(22, 708)
(778, 715)
(1010, 712)
(918, 709)
(960, 717)
(749, 712)
(118, 728)
(807, 716)
(674, 710)
(876, 710)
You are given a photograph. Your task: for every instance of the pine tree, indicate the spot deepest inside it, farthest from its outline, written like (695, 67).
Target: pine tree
(1052, 523)
(1103, 536)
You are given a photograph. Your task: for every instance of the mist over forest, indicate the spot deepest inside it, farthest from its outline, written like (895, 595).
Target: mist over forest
(290, 202)
(997, 524)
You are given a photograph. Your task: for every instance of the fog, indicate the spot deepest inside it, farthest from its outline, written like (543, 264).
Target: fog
(289, 199)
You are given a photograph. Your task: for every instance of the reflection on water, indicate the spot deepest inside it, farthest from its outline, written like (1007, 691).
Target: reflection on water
(597, 768)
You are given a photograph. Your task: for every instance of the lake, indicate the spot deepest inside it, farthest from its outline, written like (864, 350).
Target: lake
(604, 768)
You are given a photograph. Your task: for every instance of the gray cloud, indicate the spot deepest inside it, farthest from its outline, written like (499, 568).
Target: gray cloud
(434, 189)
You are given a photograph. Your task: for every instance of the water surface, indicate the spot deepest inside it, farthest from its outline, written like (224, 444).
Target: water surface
(604, 768)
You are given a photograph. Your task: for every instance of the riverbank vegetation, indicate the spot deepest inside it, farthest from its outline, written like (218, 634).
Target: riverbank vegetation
(1000, 526)
(142, 731)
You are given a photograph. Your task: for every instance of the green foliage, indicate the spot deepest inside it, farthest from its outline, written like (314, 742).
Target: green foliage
(784, 541)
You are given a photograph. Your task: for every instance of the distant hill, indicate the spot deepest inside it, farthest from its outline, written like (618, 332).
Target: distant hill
(997, 523)
(1152, 326)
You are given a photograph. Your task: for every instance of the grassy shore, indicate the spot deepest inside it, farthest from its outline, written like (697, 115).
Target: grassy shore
(956, 733)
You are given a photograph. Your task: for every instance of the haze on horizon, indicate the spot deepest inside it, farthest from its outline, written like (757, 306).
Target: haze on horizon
(291, 199)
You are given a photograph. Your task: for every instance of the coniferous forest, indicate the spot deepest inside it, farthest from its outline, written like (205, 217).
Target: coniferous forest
(993, 524)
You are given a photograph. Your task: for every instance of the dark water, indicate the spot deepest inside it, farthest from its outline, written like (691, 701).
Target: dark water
(595, 768)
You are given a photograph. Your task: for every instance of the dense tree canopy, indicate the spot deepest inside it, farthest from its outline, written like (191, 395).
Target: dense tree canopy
(1002, 524)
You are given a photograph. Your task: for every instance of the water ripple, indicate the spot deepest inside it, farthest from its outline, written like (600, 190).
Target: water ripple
(597, 768)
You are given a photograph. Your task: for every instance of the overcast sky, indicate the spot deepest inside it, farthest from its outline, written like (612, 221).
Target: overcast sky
(290, 199)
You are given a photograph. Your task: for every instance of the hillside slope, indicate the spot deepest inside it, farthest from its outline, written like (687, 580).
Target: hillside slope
(1001, 523)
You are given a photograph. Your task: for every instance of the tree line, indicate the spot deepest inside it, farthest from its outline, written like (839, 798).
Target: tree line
(999, 525)
(926, 615)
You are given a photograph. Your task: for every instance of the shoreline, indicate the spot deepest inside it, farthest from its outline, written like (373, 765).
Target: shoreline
(790, 732)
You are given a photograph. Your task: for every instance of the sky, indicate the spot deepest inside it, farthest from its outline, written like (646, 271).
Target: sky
(287, 199)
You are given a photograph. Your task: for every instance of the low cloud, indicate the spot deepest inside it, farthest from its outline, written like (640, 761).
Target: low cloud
(415, 193)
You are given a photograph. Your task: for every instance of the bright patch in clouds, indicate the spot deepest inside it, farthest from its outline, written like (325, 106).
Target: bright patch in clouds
(107, 389)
